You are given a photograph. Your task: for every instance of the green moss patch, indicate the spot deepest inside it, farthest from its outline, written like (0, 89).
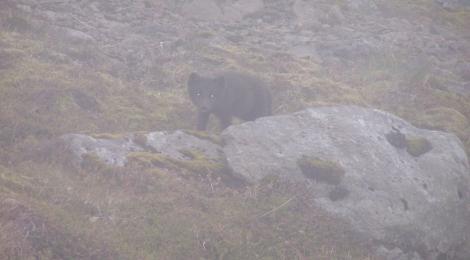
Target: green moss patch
(418, 146)
(199, 164)
(196, 163)
(205, 136)
(149, 159)
(321, 170)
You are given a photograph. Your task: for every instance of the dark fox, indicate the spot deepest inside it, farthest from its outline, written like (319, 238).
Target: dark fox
(228, 95)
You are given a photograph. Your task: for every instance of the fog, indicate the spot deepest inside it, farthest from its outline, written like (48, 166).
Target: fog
(234, 129)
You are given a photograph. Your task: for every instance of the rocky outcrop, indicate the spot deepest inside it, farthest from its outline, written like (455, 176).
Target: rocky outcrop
(405, 187)
(115, 150)
(342, 37)
(411, 194)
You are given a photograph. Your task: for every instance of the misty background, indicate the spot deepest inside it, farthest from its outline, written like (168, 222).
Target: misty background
(116, 70)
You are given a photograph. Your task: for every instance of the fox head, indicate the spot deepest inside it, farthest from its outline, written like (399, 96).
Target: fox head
(207, 94)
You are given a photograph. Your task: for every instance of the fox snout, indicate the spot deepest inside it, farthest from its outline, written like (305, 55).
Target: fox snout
(205, 106)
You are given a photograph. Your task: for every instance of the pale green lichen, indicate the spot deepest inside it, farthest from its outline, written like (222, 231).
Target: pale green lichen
(418, 146)
(205, 136)
(321, 170)
(196, 162)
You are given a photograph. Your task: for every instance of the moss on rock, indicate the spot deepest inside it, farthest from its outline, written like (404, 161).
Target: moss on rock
(205, 136)
(321, 170)
(148, 159)
(196, 162)
(418, 146)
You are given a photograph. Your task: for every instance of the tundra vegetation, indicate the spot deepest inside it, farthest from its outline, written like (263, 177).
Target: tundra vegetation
(72, 68)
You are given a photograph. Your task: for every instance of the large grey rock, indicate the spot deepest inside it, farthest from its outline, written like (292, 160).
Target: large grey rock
(204, 10)
(362, 5)
(211, 10)
(394, 195)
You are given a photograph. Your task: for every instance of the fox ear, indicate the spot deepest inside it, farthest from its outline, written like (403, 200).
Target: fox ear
(193, 78)
(220, 82)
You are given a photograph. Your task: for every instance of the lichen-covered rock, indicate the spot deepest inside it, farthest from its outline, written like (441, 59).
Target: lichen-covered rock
(110, 151)
(116, 150)
(174, 144)
(411, 198)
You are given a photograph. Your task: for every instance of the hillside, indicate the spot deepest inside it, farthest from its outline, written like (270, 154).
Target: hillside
(106, 68)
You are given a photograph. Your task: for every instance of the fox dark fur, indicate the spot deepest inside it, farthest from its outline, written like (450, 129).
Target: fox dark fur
(228, 95)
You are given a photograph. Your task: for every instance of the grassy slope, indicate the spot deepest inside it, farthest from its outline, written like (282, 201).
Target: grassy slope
(145, 212)
(136, 213)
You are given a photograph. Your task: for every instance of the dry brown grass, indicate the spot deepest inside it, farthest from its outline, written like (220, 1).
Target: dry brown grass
(162, 209)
